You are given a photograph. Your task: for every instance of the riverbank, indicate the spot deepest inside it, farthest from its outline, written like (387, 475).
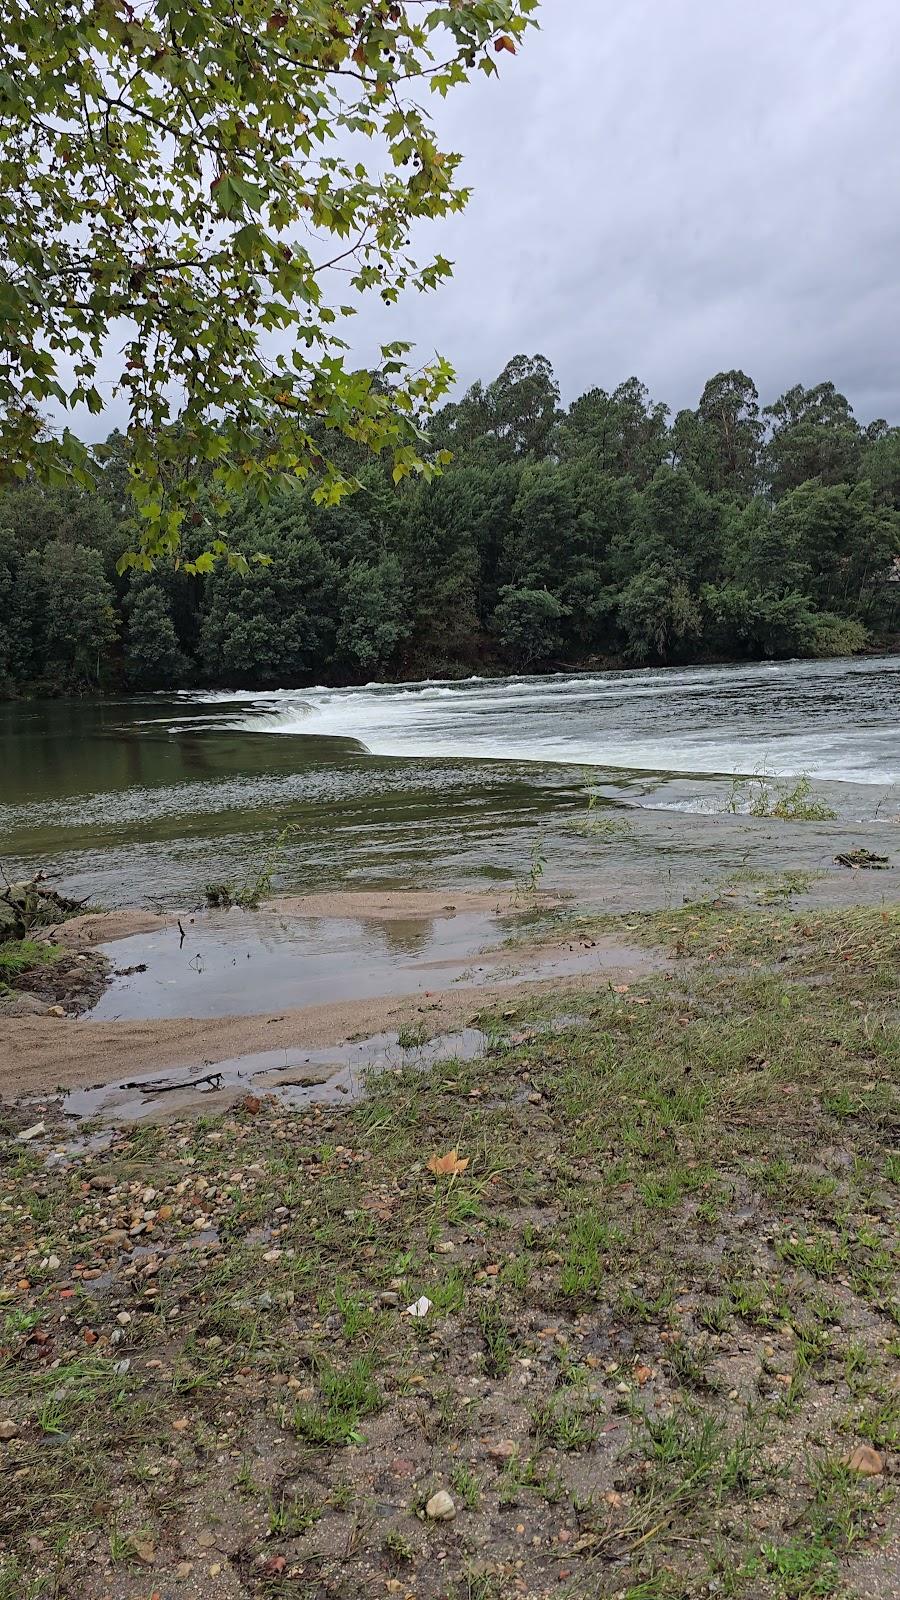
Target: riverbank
(135, 992)
(652, 1258)
(410, 963)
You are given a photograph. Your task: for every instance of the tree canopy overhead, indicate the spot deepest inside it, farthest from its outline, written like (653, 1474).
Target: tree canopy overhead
(180, 178)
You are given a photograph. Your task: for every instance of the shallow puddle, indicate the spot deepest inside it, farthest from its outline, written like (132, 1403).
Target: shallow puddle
(298, 1077)
(238, 963)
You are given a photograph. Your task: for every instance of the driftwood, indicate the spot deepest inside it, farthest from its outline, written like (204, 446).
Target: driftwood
(862, 858)
(30, 904)
(160, 1086)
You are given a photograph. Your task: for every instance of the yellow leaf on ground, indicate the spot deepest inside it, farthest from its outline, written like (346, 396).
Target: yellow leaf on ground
(448, 1166)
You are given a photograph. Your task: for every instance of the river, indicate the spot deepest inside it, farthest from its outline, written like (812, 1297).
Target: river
(146, 799)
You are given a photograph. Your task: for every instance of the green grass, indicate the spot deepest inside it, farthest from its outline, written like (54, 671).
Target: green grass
(671, 1281)
(18, 956)
(347, 1397)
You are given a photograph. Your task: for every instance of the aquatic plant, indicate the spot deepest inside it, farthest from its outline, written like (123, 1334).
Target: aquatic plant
(789, 800)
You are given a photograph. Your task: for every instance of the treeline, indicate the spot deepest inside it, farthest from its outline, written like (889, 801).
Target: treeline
(610, 531)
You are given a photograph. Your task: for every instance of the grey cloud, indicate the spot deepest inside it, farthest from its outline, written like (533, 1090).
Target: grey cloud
(678, 187)
(672, 187)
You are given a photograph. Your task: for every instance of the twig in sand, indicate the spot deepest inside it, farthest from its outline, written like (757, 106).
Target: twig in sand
(159, 1085)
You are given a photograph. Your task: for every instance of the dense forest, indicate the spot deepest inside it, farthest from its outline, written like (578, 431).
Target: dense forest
(610, 532)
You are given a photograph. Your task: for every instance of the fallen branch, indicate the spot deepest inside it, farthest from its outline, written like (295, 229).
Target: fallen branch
(160, 1086)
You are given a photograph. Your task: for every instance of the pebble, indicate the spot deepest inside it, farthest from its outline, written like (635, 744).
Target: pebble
(31, 1133)
(440, 1507)
(8, 1430)
(504, 1451)
(866, 1461)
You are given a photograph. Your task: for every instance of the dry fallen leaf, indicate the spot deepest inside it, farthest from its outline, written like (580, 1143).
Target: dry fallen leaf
(449, 1165)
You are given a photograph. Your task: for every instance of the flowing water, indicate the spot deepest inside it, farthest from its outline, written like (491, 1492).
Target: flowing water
(144, 800)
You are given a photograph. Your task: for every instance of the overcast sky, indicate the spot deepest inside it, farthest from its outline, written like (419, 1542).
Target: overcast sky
(674, 187)
(670, 188)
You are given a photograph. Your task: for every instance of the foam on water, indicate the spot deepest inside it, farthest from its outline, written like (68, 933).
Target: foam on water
(837, 720)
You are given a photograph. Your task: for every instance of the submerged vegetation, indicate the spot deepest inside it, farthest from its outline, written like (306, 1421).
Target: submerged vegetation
(609, 531)
(658, 1360)
(790, 799)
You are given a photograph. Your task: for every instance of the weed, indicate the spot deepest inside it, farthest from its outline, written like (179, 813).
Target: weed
(412, 1036)
(495, 1332)
(467, 1484)
(584, 1268)
(527, 887)
(801, 1570)
(760, 796)
(396, 1545)
(347, 1397)
(290, 1516)
(563, 1427)
(257, 884)
(18, 956)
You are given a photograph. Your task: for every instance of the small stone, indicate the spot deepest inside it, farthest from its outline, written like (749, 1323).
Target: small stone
(102, 1180)
(504, 1451)
(144, 1550)
(8, 1430)
(866, 1461)
(440, 1507)
(31, 1133)
(56, 1011)
(53, 1263)
(123, 1318)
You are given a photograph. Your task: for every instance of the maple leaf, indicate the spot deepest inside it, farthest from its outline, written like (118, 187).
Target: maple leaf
(449, 1165)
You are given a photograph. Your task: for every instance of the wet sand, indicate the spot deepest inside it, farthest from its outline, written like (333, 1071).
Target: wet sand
(41, 1054)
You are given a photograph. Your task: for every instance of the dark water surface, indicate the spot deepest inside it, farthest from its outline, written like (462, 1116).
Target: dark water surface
(144, 800)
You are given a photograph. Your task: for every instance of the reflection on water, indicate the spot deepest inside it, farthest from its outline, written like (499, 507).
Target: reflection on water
(147, 799)
(249, 963)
